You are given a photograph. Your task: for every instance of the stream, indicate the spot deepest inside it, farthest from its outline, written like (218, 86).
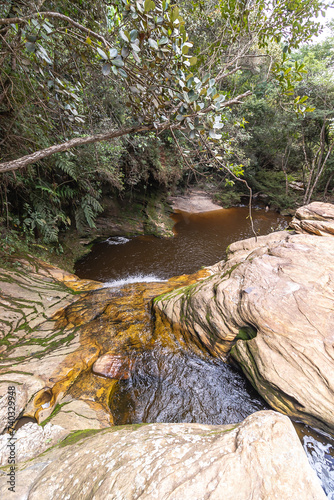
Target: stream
(171, 382)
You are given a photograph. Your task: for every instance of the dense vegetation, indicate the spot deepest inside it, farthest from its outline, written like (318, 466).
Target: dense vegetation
(112, 99)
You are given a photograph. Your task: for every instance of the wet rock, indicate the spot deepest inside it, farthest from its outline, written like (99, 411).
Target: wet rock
(55, 326)
(113, 366)
(272, 303)
(315, 218)
(261, 457)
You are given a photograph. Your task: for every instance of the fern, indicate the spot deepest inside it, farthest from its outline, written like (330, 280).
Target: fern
(86, 212)
(67, 166)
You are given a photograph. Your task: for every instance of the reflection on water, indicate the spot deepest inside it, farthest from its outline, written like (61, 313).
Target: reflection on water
(200, 240)
(182, 387)
(319, 448)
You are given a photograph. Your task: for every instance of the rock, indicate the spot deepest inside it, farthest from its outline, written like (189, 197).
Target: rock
(79, 415)
(113, 366)
(31, 440)
(55, 327)
(260, 458)
(272, 302)
(315, 218)
(194, 202)
(297, 186)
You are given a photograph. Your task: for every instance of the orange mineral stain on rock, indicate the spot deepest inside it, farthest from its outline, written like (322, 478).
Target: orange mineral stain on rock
(100, 326)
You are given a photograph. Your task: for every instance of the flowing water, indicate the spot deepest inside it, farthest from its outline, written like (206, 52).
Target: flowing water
(171, 381)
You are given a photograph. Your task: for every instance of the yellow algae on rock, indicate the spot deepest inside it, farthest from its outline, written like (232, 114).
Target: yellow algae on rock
(53, 336)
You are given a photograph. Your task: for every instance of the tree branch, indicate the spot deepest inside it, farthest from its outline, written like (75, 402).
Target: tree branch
(64, 146)
(54, 15)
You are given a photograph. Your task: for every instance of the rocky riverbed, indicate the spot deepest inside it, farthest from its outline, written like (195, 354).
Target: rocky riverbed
(64, 349)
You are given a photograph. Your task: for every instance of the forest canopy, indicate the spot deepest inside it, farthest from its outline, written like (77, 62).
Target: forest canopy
(118, 77)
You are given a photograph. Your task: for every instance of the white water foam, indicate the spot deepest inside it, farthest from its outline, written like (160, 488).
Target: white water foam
(320, 460)
(137, 278)
(117, 240)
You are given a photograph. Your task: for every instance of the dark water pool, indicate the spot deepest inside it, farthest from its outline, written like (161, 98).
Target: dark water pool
(200, 240)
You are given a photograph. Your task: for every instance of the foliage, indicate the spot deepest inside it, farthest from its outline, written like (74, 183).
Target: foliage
(157, 78)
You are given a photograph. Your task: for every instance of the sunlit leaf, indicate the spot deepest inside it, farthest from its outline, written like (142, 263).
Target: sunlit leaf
(152, 43)
(102, 53)
(113, 53)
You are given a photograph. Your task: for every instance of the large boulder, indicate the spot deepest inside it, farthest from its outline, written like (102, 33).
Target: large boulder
(260, 458)
(271, 304)
(315, 218)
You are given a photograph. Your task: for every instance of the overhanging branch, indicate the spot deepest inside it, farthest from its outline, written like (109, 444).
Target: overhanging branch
(65, 146)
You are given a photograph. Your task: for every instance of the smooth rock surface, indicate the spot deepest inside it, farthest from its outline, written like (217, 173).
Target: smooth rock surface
(261, 458)
(277, 294)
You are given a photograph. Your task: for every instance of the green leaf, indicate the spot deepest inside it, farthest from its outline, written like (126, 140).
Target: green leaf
(31, 47)
(136, 57)
(123, 73)
(149, 5)
(113, 53)
(124, 36)
(125, 52)
(102, 53)
(106, 69)
(117, 62)
(152, 43)
(133, 35)
(163, 40)
(31, 38)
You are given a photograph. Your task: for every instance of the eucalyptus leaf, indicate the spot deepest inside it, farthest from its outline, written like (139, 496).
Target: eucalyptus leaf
(124, 36)
(31, 38)
(136, 57)
(123, 73)
(125, 52)
(133, 35)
